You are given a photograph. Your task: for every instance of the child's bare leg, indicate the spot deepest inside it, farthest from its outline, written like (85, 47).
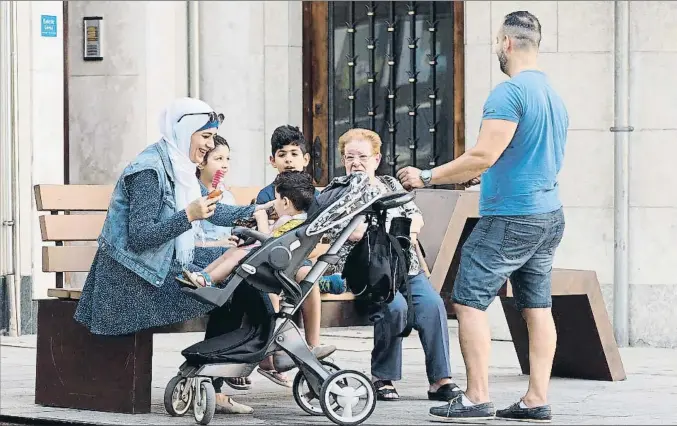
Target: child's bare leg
(225, 256)
(268, 364)
(311, 310)
(222, 267)
(226, 267)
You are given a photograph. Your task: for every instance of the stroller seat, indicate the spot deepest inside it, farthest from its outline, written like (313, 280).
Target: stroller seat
(271, 268)
(244, 345)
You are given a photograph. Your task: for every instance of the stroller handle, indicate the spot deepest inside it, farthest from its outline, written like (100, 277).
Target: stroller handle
(241, 231)
(392, 200)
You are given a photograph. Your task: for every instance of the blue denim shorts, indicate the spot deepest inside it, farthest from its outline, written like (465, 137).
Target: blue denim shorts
(520, 248)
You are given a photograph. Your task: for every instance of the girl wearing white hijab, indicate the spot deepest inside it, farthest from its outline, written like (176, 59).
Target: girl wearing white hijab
(156, 208)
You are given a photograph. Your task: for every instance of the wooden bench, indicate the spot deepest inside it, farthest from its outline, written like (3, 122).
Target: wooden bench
(72, 364)
(76, 369)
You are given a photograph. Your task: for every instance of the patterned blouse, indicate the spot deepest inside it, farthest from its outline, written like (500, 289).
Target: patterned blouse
(407, 210)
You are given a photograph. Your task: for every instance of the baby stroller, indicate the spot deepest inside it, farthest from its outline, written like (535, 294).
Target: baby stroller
(346, 397)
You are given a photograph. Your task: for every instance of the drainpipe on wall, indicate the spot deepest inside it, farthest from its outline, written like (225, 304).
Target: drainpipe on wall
(6, 165)
(193, 49)
(16, 205)
(5, 156)
(9, 209)
(621, 131)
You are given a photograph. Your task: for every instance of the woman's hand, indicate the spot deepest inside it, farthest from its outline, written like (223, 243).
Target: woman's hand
(202, 208)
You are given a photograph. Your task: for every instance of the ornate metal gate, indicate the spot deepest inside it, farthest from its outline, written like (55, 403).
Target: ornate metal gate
(392, 67)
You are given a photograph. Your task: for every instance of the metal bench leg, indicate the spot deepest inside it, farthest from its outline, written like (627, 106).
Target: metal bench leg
(76, 369)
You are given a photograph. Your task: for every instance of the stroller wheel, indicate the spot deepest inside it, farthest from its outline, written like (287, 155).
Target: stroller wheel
(204, 403)
(304, 395)
(348, 397)
(178, 396)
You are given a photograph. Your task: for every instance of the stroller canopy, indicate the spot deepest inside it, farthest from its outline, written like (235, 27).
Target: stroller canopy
(345, 197)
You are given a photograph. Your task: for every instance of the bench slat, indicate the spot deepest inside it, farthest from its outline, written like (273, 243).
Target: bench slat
(73, 197)
(67, 258)
(64, 293)
(60, 293)
(71, 227)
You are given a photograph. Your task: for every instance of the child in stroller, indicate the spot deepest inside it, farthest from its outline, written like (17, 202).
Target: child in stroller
(294, 194)
(346, 397)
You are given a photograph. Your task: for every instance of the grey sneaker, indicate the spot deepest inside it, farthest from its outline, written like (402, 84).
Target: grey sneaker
(536, 414)
(456, 412)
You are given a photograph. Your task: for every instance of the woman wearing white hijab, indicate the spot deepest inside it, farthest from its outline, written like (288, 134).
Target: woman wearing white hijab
(155, 212)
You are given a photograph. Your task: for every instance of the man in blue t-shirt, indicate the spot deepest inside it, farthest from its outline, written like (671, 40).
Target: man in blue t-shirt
(518, 154)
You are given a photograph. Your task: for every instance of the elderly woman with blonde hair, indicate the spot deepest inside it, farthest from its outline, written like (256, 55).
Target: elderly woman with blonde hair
(360, 151)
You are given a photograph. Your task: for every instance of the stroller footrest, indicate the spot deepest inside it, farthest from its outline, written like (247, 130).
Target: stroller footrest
(213, 295)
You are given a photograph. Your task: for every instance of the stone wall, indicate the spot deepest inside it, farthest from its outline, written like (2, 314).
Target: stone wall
(251, 70)
(250, 61)
(114, 104)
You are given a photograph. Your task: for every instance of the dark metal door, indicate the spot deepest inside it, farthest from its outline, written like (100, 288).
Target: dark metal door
(392, 67)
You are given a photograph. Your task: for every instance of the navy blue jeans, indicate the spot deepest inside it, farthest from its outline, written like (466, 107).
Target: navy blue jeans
(521, 248)
(431, 324)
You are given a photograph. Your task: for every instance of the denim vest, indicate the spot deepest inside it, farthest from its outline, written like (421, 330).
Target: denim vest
(151, 265)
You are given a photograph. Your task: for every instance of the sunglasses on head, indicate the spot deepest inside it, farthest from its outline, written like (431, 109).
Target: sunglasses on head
(213, 116)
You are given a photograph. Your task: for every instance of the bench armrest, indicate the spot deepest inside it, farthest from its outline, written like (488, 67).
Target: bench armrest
(241, 231)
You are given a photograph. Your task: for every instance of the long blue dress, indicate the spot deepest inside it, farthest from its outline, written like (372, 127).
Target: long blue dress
(116, 301)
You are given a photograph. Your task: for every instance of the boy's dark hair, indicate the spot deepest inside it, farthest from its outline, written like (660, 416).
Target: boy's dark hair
(218, 141)
(297, 186)
(287, 135)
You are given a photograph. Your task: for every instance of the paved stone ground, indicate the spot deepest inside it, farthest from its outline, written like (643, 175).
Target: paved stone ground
(648, 396)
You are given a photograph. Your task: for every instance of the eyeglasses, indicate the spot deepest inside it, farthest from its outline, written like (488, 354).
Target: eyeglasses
(352, 158)
(213, 116)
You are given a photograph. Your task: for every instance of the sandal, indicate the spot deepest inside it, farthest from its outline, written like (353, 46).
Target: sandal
(385, 391)
(275, 377)
(192, 279)
(239, 383)
(184, 282)
(445, 392)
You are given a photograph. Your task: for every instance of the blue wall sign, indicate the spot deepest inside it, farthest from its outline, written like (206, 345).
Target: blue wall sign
(48, 26)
